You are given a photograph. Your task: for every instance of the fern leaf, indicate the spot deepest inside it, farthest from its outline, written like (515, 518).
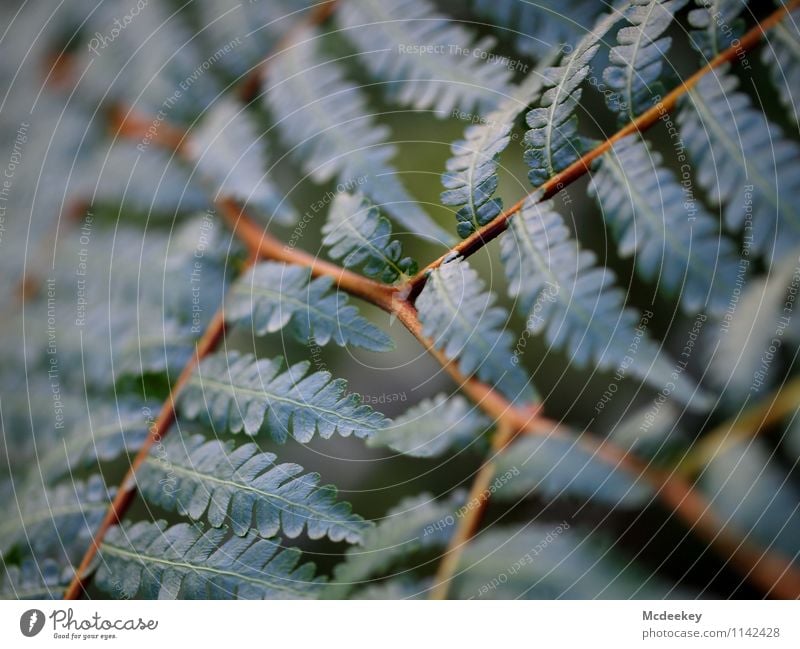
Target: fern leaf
(553, 140)
(239, 393)
(145, 182)
(635, 70)
(230, 154)
(754, 496)
(682, 249)
(550, 561)
(563, 293)
(62, 519)
(448, 76)
(471, 178)
(414, 525)
(152, 561)
(358, 234)
(273, 295)
(539, 27)
(248, 31)
(782, 55)
(463, 322)
(432, 427)
(750, 327)
(325, 120)
(556, 467)
(745, 163)
(709, 37)
(244, 489)
(107, 434)
(655, 435)
(32, 579)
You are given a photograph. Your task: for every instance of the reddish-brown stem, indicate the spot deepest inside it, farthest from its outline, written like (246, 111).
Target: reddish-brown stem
(159, 429)
(573, 172)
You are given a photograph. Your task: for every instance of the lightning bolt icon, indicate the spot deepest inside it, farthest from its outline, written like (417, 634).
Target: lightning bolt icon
(32, 620)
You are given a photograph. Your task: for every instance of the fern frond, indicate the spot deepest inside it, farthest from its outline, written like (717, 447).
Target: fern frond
(782, 55)
(239, 393)
(108, 433)
(682, 249)
(231, 156)
(60, 520)
(248, 31)
(538, 27)
(245, 489)
(709, 37)
(754, 496)
(447, 77)
(471, 178)
(33, 579)
(655, 435)
(325, 120)
(635, 71)
(550, 561)
(737, 365)
(272, 296)
(553, 140)
(563, 293)
(357, 233)
(432, 427)
(463, 322)
(412, 526)
(557, 467)
(153, 64)
(744, 162)
(148, 182)
(152, 561)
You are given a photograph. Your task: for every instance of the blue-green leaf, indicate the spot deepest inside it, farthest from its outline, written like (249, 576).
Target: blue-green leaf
(152, 561)
(245, 489)
(674, 240)
(565, 294)
(357, 233)
(433, 427)
(239, 393)
(744, 162)
(635, 72)
(463, 322)
(273, 295)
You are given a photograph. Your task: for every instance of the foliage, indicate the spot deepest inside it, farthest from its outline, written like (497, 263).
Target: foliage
(623, 355)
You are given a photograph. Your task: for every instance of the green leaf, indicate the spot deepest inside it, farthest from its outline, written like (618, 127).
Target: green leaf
(152, 561)
(782, 55)
(464, 323)
(273, 295)
(239, 393)
(357, 233)
(433, 427)
(245, 489)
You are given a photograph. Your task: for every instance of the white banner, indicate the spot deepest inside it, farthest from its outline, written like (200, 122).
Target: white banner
(356, 624)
